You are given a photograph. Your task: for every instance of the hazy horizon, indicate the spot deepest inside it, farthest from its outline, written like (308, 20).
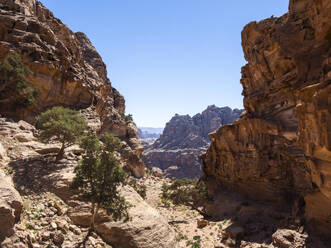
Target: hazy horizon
(168, 57)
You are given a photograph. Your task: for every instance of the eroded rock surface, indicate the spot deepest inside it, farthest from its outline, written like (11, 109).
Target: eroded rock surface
(53, 213)
(280, 149)
(68, 71)
(10, 206)
(184, 139)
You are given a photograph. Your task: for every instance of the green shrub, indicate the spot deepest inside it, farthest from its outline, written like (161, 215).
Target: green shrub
(15, 89)
(185, 192)
(99, 174)
(128, 118)
(138, 187)
(61, 124)
(195, 243)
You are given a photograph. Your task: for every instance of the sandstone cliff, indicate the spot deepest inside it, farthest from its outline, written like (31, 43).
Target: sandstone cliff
(184, 139)
(68, 71)
(37, 208)
(280, 150)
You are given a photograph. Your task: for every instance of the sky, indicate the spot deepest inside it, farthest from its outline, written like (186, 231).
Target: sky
(169, 56)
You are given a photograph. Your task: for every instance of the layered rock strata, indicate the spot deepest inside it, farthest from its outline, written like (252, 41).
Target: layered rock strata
(68, 71)
(184, 139)
(280, 149)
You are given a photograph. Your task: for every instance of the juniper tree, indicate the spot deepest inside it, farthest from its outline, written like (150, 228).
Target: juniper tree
(15, 89)
(186, 192)
(99, 174)
(61, 124)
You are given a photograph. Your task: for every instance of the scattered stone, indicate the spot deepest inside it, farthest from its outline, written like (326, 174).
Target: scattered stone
(202, 223)
(53, 225)
(58, 238)
(92, 240)
(58, 208)
(62, 224)
(45, 236)
(286, 238)
(75, 229)
(25, 137)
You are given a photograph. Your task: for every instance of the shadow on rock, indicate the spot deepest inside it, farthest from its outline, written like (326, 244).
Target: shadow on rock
(246, 223)
(36, 174)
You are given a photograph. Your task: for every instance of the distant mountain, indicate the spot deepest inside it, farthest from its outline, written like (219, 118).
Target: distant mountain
(149, 132)
(157, 130)
(184, 139)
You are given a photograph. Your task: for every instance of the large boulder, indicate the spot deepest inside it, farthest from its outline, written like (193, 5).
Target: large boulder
(145, 229)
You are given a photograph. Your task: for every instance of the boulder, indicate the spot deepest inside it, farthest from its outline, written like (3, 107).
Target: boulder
(10, 206)
(146, 229)
(25, 137)
(234, 231)
(202, 223)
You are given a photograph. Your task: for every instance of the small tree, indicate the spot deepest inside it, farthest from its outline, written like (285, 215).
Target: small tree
(99, 175)
(128, 118)
(138, 186)
(15, 89)
(61, 124)
(186, 192)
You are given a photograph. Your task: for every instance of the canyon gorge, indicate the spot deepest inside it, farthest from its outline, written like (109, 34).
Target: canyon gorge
(184, 139)
(267, 168)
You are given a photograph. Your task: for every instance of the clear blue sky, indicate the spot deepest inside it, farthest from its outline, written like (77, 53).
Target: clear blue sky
(168, 56)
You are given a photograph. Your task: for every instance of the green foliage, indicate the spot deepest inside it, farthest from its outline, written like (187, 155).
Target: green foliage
(180, 237)
(99, 175)
(128, 118)
(185, 192)
(61, 124)
(165, 203)
(139, 187)
(14, 86)
(195, 243)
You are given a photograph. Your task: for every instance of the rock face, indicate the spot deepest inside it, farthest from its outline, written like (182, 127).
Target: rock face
(147, 228)
(184, 139)
(10, 206)
(37, 175)
(280, 150)
(68, 71)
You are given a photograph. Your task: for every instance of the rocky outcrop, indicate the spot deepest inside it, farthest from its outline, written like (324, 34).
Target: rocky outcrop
(279, 150)
(37, 176)
(147, 228)
(184, 139)
(10, 206)
(68, 71)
